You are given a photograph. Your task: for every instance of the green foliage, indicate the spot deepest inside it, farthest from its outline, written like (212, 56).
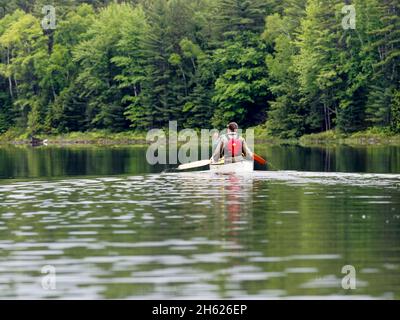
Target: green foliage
(286, 119)
(341, 79)
(378, 107)
(395, 111)
(130, 58)
(241, 89)
(234, 16)
(286, 66)
(6, 113)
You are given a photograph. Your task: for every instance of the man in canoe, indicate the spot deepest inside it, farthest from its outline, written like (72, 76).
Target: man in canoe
(232, 147)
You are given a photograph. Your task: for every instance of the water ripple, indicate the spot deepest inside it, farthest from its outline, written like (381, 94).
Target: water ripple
(196, 235)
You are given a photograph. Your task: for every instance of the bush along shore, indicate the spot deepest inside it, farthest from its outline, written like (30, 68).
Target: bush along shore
(105, 137)
(368, 137)
(98, 137)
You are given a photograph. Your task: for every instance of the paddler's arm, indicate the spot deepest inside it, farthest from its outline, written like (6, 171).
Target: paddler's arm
(246, 150)
(217, 153)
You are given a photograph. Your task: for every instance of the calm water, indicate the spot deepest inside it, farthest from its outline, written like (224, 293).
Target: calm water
(114, 227)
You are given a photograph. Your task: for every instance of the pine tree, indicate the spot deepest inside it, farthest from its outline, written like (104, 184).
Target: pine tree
(172, 71)
(241, 89)
(67, 110)
(130, 58)
(236, 16)
(378, 106)
(6, 112)
(385, 48)
(387, 43)
(157, 90)
(395, 112)
(198, 110)
(99, 72)
(23, 44)
(286, 118)
(327, 68)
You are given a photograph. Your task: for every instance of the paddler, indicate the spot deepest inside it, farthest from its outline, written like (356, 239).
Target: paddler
(232, 147)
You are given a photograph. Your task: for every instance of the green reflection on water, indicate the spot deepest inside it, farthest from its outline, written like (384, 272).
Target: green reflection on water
(195, 235)
(48, 162)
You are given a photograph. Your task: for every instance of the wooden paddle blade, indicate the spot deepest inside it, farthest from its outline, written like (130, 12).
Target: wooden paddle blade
(259, 160)
(193, 165)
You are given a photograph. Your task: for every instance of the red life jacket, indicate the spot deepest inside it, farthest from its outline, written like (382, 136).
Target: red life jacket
(234, 147)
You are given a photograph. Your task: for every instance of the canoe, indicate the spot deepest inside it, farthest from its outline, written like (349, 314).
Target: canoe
(244, 166)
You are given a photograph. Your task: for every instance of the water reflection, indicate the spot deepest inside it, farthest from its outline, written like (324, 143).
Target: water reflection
(235, 202)
(371, 159)
(197, 235)
(50, 162)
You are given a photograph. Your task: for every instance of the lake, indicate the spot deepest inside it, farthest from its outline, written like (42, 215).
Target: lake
(108, 225)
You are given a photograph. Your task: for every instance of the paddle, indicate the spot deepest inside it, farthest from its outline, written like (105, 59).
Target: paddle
(259, 159)
(193, 165)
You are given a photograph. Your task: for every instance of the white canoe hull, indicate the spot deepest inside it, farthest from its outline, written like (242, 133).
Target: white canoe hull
(237, 167)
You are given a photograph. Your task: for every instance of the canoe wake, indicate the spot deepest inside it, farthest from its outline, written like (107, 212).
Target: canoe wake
(301, 177)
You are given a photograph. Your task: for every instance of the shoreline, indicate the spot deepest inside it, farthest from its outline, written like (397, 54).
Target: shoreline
(103, 138)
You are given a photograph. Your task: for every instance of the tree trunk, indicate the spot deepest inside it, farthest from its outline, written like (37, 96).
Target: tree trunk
(9, 76)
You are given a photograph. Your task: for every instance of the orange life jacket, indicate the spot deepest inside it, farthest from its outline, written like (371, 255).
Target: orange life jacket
(234, 147)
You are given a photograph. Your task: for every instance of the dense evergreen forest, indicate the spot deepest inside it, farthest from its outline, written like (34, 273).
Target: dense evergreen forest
(287, 65)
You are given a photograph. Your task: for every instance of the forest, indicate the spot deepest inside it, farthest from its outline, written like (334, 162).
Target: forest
(287, 66)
